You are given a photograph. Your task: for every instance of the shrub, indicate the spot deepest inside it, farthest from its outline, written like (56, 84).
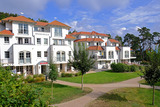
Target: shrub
(120, 67)
(38, 79)
(40, 75)
(145, 63)
(35, 76)
(134, 68)
(142, 68)
(30, 79)
(78, 74)
(66, 74)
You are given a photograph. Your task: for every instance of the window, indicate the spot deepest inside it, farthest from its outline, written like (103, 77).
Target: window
(6, 39)
(20, 41)
(21, 57)
(110, 55)
(69, 53)
(63, 56)
(35, 28)
(60, 42)
(69, 42)
(55, 42)
(89, 43)
(58, 56)
(45, 53)
(58, 32)
(26, 40)
(126, 54)
(100, 53)
(23, 28)
(6, 54)
(28, 57)
(38, 53)
(38, 40)
(42, 29)
(45, 41)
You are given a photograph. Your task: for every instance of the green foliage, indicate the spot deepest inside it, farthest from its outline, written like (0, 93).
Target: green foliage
(15, 93)
(120, 67)
(42, 20)
(63, 74)
(53, 74)
(5, 15)
(82, 61)
(134, 68)
(78, 74)
(30, 79)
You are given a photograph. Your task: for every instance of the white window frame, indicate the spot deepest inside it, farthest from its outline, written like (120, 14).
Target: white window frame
(39, 54)
(7, 54)
(45, 54)
(6, 40)
(58, 32)
(126, 54)
(46, 41)
(23, 28)
(39, 41)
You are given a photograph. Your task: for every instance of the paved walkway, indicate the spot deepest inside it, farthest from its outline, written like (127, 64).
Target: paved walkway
(98, 90)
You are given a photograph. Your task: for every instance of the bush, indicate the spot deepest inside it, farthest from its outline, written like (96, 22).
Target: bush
(30, 79)
(142, 68)
(134, 68)
(66, 74)
(78, 74)
(35, 76)
(120, 67)
(38, 79)
(40, 75)
(145, 63)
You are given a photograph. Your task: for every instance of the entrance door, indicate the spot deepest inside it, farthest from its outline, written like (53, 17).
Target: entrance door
(60, 67)
(43, 69)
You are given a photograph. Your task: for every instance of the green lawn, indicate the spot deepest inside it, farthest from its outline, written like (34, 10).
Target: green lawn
(101, 77)
(61, 93)
(127, 97)
(144, 82)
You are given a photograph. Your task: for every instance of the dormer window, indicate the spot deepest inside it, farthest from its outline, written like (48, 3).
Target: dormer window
(23, 28)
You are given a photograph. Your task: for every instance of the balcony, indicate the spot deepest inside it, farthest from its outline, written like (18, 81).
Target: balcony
(47, 33)
(60, 59)
(6, 61)
(25, 61)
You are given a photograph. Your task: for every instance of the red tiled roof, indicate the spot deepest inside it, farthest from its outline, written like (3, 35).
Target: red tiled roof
(57, 23)
(41, 23)
(117, 48)
(99, 48)
(70, 37)
(114, 41)
(131, 49)
(6, 32)
(0, 21)
(19, 18)
(89, 33)
(89, 40)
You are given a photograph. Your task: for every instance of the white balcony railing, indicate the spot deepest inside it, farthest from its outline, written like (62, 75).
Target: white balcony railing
(6, 61)
(25, 61)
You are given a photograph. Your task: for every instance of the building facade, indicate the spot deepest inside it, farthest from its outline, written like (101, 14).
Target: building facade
(28, 46)
(103, 49)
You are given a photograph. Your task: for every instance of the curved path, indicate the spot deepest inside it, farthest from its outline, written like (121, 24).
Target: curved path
(98, 90)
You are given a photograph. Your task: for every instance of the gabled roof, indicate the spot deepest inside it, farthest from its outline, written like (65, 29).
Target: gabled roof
(114, 41)
(6, 32)
(117, 48)
(99, 48)
(89, 40)
(70, 37)
(41, 23)
(89, 33)
(57, 23)
(19, 18)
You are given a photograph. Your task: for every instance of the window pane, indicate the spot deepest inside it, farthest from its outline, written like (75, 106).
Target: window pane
(6, 39)
(45, 41)
(38, 53)
(38, 40)
(6, 54)
(45, 53)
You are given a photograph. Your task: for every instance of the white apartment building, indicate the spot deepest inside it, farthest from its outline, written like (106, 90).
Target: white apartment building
(104, 50)
(28, 46)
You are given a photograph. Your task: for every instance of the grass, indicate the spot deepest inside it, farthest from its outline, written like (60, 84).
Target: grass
(61, 93)
(101, 77)
(144, 82)
(127, 97)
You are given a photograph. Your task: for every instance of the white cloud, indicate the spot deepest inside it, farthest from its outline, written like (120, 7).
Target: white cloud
(101, 4)
(28, 7)
(120, 32)
(143, 14)
(137, 27)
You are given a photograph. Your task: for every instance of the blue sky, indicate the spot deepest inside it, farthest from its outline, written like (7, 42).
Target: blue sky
(116, 17)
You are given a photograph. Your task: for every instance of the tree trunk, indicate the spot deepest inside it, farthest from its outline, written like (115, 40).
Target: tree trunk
(52, 89)
(153, 95)
(82, 82)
